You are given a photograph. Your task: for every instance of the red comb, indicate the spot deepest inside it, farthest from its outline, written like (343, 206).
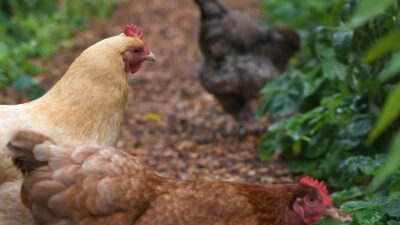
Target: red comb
(320, 186)
(133, 31)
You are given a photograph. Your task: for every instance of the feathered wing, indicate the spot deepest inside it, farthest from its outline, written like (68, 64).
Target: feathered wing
(12, 118)
(89, 185)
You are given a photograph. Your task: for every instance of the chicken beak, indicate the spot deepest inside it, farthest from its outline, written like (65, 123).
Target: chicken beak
(334, 213)
(150, 57)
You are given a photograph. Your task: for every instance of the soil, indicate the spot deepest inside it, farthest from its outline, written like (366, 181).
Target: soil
(171, 123)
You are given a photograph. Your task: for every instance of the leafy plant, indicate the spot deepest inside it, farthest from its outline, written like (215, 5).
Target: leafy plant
(33, 29)
(337, 112)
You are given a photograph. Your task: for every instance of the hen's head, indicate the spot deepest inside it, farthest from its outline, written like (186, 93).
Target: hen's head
(138, 52)
(315, 202)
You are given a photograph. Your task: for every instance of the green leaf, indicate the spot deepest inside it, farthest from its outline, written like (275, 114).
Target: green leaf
(359, 126)
(395, 187)
(319, 143)
(282, 95)
(354, 205)
(269, 144)
(392, 163)
(356, 168)
(390, 111)
(394, 208)
(342, 41)
(383, 46)
(391, 69)
(330, 221)
(368, 9)
(379, 202)
(369, 216)
(36, 91)
(300, 165)
(345, 195)
(392, 222)
(22, 83)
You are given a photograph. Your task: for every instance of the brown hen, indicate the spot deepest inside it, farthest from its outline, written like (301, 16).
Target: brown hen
(102, 185)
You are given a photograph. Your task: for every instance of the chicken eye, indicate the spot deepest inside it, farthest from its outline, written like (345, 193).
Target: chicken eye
(311, 199)
(137, 50)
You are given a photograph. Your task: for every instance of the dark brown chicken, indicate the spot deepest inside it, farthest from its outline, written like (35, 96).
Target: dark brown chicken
(240, 55)
(102, 185)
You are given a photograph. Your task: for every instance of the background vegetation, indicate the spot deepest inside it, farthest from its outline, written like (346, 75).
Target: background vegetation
(337, 111)
(35, 29)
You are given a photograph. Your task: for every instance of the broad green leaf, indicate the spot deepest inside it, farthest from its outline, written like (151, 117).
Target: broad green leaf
(392, 68)
(369, 216)
(394, 208)
(390, 111)
(345, 195)
(392, 163)
(383, 46)
(392, 222)
(368, 9)
(342, 42)
(359, 126)
(354, 205)
(379, 202)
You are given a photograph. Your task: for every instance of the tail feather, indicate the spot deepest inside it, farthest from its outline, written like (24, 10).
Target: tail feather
(21, 148)
(210, 8)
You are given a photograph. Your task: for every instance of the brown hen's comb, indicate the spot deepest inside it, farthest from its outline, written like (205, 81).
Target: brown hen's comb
(320, 186)
(133, 31)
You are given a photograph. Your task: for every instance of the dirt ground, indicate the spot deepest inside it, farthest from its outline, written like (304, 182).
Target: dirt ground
(171, 123)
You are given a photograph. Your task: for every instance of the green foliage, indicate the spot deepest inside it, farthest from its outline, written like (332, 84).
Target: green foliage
(337, 112)
(33, 29)
(368, 9)
(383, 46)
(389, 113)
(287, 13)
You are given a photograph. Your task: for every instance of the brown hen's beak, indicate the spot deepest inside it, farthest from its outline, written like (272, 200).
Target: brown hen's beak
(150, 57)
(334, 213)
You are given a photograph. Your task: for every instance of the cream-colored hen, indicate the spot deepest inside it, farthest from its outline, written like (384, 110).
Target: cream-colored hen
(85, 107)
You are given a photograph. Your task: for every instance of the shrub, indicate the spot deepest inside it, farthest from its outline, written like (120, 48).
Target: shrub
(337, 110)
